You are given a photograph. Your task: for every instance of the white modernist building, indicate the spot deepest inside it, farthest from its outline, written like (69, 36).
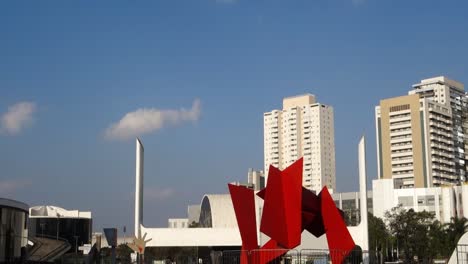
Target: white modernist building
(49, 211)
(178, 223)
(218, 224)
(445, 202)
(303, 128)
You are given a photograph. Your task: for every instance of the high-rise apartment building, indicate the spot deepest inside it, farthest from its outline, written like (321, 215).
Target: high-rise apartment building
(420, 140)
(303, 128)
(449, 93)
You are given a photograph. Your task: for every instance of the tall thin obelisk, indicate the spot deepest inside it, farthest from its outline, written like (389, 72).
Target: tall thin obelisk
(139, 187)
(363, 194)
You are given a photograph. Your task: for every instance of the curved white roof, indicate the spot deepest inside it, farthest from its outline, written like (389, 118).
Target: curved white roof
(222, 210)
(13, 204)
(48, 211)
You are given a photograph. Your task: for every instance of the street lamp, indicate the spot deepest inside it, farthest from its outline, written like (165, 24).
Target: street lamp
(58, 225)
(42, 228)
(76, 244)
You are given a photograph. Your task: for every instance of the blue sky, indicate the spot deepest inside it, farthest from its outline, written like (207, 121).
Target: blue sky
(69, 70)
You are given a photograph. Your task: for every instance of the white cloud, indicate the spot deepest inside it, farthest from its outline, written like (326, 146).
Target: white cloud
(147, 120)
(11, 186)
(17, 117)
(158, 194)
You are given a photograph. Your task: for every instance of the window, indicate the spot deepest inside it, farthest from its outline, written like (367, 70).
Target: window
(405, 200)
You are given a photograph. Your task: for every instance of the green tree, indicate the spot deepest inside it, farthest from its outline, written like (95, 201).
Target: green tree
(412, 231)
(194, 224)
(454, 231)
(378, 233)
(123, 252)
(438, 240)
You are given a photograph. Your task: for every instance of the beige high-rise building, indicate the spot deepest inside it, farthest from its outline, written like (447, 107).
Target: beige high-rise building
(449, 93)
(303, 128)
(415, 136)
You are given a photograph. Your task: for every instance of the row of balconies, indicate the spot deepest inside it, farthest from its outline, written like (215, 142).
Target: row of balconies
(435, 121)
(403, 139)
(443, 140)
(438, 133)
(400, 117)
(397, 161)
(440, 118)
(443, 160)
(443, 153)
(399, 130)
(401, 164)
(401, 154)
(402, 149)
(400, 126)
(400, 137)
(406, 174)
(444, 175)
(400, 133)
(403, 170)
(440, 147)
(442, 169)
(404, 121)
(399, 144)
(439, 127)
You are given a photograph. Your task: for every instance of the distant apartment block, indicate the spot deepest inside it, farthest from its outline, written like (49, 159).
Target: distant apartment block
(420, 136)
(178, 223)
(255, 179)
(303, 128)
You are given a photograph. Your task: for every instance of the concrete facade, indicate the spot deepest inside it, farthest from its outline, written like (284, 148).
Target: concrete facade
(445, 202)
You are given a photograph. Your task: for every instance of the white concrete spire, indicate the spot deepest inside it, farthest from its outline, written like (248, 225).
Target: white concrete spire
(139, 187)
(363, 193)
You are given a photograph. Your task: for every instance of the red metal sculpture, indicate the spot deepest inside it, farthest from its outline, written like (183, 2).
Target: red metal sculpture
(288, 210)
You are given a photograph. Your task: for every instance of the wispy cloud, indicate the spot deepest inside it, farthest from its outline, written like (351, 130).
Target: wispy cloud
(158, 194)
(147, 120)
(17, 117)
(12, 186)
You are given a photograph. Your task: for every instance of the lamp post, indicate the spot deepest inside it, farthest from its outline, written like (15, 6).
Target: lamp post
(42, 228)
(76, 244)
(58, 225)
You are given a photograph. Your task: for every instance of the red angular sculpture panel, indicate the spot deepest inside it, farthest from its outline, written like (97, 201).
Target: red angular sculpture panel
(281, 218)
(243, 200)
(339, 240)
(288, 210)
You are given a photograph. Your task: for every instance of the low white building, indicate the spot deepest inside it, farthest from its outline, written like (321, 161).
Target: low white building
(178, 223)
(445, 202)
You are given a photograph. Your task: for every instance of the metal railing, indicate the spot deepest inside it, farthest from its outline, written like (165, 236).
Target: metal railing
(304, 256)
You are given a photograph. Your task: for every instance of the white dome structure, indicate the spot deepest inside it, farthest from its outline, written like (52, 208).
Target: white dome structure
(217, 211)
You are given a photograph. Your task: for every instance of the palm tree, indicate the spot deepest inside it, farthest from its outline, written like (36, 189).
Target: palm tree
(455, 230)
